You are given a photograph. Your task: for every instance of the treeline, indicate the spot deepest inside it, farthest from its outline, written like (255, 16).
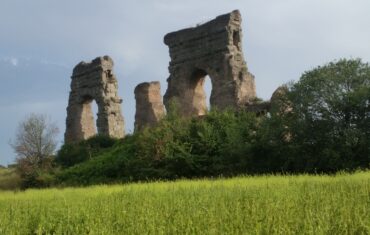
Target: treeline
(320, 124)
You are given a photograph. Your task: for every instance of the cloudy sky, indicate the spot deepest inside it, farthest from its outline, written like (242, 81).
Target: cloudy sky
(42, 40)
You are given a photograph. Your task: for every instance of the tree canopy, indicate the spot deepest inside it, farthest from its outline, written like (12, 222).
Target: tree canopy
(330, 115)
(35, 143)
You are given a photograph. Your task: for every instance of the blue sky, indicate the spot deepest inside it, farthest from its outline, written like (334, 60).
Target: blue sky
(42, 40)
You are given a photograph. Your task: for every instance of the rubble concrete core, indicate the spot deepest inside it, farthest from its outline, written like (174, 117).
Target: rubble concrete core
(94, 81)
(214, 49)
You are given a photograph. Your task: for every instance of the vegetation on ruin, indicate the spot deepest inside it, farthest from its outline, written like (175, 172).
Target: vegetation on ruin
(244, 205)
(321, 124)
(316, 128)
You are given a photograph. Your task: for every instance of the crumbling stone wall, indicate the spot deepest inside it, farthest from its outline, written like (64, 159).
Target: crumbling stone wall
(259, 108)
(94, 81)
(213, 49)
(279, 101)
(149, 105)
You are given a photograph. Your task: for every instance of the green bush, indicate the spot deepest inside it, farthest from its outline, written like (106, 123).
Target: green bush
(74, 153)
(217, 144)
(328, 122)
(9, 179)
(36, 174)
(109, 166)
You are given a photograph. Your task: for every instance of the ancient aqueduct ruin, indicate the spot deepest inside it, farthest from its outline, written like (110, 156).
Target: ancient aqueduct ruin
(213, 49)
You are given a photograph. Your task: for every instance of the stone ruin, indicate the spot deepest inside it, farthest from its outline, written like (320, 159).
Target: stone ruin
(149, 105)
(279, 103)
(94, 81)
(213, 49)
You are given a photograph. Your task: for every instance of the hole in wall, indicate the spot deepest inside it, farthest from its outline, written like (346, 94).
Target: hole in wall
(87, 120)
(208, 89)
(236, 39)
(202, 89)
(95, 109)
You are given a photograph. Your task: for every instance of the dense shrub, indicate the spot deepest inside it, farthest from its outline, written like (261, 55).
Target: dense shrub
(36, 173)
(9, 179)
(109, 166)
(217, 144)
(212, 145)
(73, 153)
(328, 122)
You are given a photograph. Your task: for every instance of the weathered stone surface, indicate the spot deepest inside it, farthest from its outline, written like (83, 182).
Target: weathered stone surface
(213, 49)
(94, 81)
(279, 102)
(149, 105)
(260, 108)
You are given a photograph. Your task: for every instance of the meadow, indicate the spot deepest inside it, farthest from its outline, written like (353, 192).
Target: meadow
(303, 204)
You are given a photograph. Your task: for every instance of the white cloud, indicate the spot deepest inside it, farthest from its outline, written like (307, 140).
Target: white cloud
(14, 61)
(10, 60)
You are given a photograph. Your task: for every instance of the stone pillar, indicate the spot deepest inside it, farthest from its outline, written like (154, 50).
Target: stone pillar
(279, 101)
(149, 106)
(214, 49)
(94, 81)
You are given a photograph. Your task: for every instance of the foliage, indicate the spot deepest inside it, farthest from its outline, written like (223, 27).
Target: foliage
(35, 138)
(319, 124)
(110, 166)
(244, 205)
(216, 144)
(327, 122)
(73, 153)
(34, 144)
(9, 179)
(36, 175)
(177, 147)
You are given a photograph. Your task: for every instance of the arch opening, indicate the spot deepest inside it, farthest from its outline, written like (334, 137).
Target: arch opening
(95, 111)
(199, 48)
(236, 39)
(88, 118)
(201, 85)
(88, 84)
(208, 91)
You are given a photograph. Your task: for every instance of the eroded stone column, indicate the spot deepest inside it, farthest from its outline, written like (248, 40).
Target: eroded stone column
(213, 49)
(94, 81)
(149, 105)
(280, 103)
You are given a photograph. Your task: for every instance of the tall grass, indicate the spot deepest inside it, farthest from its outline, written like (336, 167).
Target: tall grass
(245, 205)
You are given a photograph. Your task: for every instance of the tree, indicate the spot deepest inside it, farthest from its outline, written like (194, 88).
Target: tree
(330, 118)
(320, 123)
(35, 143)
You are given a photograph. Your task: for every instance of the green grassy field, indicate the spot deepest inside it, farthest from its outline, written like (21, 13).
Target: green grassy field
(244, 205)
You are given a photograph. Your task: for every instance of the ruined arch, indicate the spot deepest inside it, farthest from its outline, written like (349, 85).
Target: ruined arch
(196, 93)
(85, 114)
(94, 81)
(213, 48)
